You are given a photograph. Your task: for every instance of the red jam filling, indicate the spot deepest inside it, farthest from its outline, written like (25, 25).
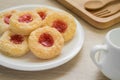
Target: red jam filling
(25, 18)
(60, 26)
(42, 15)
(46, 40)
(16, 39)
(7, 19)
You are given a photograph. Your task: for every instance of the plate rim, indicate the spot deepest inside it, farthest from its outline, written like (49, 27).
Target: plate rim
(60, 62)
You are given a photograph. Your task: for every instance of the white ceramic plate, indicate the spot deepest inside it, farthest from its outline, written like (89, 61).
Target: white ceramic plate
(30, 63)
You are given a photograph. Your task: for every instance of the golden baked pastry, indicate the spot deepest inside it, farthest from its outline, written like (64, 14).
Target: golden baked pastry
(43, 12)
(4, 20)
(12, 44)
(46, 42)
(24, 22)
(63, 22)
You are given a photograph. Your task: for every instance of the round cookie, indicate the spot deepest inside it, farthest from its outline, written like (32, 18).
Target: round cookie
(63, 22)
(43, 12)
(24, 22)
(46, 42)
(12, 44)
(4, 20)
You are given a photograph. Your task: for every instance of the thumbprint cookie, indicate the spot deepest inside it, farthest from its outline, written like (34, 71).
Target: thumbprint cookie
(24, 22)
(46, 42)
(43, 13)
(4, 20)
(14, 45)
(63, 22)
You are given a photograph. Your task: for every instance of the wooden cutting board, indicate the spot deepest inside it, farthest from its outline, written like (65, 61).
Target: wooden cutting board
(77, 6)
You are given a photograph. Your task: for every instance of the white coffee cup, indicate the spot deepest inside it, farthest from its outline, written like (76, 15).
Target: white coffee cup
(109, 62)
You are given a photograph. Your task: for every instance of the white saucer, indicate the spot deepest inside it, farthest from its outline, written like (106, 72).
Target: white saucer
(31, 63)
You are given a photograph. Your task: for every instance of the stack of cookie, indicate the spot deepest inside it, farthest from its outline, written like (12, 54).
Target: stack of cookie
(42, 31)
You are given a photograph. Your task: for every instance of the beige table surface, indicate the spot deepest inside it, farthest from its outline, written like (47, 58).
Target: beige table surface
(79, 68)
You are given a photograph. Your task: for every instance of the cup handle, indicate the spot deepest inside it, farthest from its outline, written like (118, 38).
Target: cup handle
(94, 51)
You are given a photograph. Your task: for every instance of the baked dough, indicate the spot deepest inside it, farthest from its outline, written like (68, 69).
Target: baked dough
(63, 22)
(46, 42)
(13, 44)
(4, 20)
(24, 22)
(43, 12)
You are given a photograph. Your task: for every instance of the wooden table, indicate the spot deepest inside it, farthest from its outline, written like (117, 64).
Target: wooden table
(79, 68)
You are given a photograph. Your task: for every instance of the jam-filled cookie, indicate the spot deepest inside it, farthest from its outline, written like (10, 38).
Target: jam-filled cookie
(63, 22)
(4, 20)
(43, 12)
(46, 42)
(24, 22)
(12, 44)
